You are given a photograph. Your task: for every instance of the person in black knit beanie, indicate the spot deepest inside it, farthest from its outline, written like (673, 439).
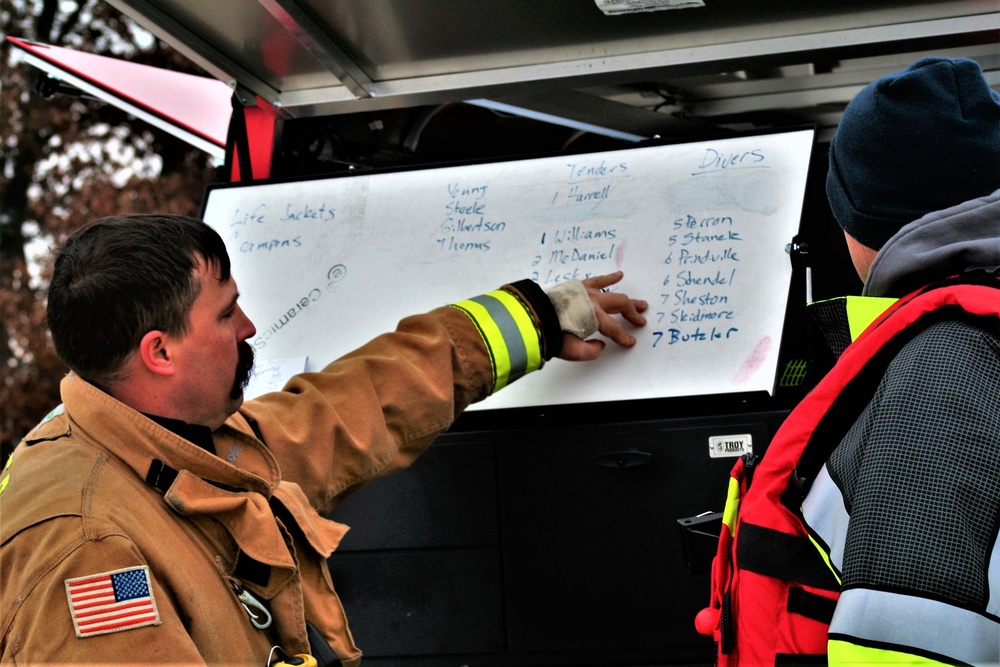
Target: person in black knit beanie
(913, 142)
(869, 532)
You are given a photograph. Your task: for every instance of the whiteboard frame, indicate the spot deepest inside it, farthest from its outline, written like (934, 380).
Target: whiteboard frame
(622, 405)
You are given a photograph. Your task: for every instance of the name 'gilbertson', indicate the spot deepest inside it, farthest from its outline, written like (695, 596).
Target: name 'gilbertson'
(459, 225)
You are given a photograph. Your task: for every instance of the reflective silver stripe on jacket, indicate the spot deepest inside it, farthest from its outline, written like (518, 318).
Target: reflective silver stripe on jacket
(993, 605)
(517, 352)
(919, 623)
(824, 512)
(894, 618)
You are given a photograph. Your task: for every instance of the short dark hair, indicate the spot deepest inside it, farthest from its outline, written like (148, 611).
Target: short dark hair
(118, 278)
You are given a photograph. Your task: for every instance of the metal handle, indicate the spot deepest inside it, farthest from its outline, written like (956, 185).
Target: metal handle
(627, 458)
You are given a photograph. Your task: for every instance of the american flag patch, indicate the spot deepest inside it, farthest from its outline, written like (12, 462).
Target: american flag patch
(112, 601)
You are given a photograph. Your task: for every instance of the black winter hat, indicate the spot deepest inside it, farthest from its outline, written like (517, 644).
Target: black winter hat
(920, 140)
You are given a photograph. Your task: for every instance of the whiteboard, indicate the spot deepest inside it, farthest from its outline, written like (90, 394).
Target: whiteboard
(699, 229)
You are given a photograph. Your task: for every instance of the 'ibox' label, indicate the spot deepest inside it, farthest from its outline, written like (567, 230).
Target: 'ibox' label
(730, 445)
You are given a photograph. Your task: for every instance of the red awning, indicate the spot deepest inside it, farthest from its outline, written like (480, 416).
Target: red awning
(194, 108)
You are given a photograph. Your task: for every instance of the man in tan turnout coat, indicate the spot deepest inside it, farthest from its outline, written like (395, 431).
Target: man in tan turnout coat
(154, 517)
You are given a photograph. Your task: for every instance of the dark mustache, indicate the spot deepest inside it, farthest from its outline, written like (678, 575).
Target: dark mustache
(244, 368)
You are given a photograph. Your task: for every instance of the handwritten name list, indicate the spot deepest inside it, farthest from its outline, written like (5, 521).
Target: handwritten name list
(699, 230)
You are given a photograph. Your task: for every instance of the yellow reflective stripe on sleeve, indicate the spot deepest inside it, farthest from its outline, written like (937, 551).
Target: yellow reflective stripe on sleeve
(526, 332)
(845, 653)
(826, 558)
(6, 480)
(509, 332)
(526, 328)
(732, 508)
(500, 367)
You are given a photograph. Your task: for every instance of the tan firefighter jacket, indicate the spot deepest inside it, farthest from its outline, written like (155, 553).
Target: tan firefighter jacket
(100, 500)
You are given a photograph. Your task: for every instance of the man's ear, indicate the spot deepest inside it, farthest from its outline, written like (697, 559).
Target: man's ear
(155, 354)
